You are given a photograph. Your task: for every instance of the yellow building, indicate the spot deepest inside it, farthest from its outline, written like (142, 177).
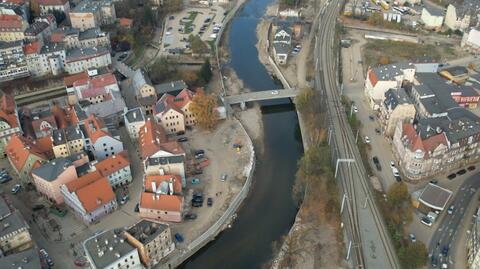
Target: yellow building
(68, 141)
(12, 28)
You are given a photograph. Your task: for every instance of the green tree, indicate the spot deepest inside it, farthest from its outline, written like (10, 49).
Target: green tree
(204, 107)
(205, 73)
(163, 70)
(398, 194)
(414, 256)
(197, 45)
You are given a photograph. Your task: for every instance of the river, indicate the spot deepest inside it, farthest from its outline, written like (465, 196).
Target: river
(268, 212)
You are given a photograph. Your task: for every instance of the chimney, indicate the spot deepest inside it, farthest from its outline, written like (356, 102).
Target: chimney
(154, 187)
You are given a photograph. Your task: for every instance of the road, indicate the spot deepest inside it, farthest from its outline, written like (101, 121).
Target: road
(447, 233)
(369, 243)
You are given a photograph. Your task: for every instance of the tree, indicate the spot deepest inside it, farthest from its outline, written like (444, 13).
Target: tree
(172, 6)
(163, 70)
(190, 77)
(204, 107)
(397, 194)
(197, 45)
(205, 72)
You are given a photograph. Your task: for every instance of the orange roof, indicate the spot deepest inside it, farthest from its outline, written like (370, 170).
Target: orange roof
(113, 164)
(433, 142)
(372, 77)
(83, 181)
(69, 80)
(183, 98)
(38, 122)
(18, 2)
(19, 148)
(172, 147)
(52, 2)
(32, 48)
(8, 21)
(95, 194)
(60, 116)
(8, 103)
(11, 119)
(125, 22)
(164, 202)
(177, 182)
(150, 136)
(103, 80)
(44, 145)
(94, 126)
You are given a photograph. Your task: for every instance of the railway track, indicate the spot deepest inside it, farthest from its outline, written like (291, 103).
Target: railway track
(344, 145)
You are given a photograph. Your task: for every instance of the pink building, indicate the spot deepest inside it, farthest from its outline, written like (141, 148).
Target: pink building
(162, 199)
(48, 177)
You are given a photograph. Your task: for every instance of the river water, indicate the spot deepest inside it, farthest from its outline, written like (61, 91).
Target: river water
(268, 212)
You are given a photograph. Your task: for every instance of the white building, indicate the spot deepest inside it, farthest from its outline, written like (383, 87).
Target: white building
(48, 6)
(116, 168)
(432, 17)
(110, 250)
(91, 14)
(381, 79)
(12, 61)
(134, 120)
(462, 14)
(94, 37)
(100, 141)
(45, 60)
(471, 40)
(79, 60)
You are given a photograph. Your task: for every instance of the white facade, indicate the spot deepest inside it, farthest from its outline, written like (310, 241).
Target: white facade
(13, 61)
(471, 40)
(431, 21)
(454, 21)
(120, 177)
(106, 146)
(48, 8)
(46, 62)
(134, 120)
(87, 59)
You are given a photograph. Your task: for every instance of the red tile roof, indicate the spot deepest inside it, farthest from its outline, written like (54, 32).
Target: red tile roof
(158, 179)
(103, 80)
(69, 80)
(82, 181)
(416, 143)
(150, 136)
(19, 148)
(163, 203)
(32, 48)
(94, 126)
(183, 98)
(431, 143)
(52, 2)
(113, 164)
(95, 194)
(10, 22)
(18, 2)
(372, 77)
(36, 124)
(60, 116)
(7, 110)
(125, 22)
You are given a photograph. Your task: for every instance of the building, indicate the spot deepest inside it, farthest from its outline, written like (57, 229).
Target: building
(12, 27)
(49, 6)
(100, 141)
(27, 259)
(93, 90)
(116, 168)
(110, 250)
(90, 197)
(142, 86)
(68, 141)
(172, 87)
(433, 198)
(381, 79)
(48, 59)
(92, 14)
(281, 50)
(457, 74)
(40, 30)
(283, 35)
(134, 120)
(94, 37)
(80, 60)
(432, 17)
(43, 122)
(462, 14)
(397, 107)
(12, 61)
(69, 37)
(152, 240)
(159, 155)
(23, 154)
(14, 235)
(473, 243)
(9, 123)
(471, 40)
(169, 115)
(48, 177)
(161, 199)
(425, 65)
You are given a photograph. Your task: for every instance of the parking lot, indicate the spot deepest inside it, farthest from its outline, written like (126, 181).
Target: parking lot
(203, 22)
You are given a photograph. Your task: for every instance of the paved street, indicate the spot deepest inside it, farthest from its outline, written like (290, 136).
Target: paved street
(447, 233)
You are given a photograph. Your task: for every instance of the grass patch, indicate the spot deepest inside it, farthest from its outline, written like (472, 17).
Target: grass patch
(189, 22)
(376, 51)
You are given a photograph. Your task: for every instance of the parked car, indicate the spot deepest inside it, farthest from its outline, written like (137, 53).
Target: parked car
(377, 131)
(398, 178)
(47, 258)
(209, 201)
(179, 237)
(392, 164)
(412, 238)
(171, 18)
(377, 163)
(471, 168)
(38, 207)
(452, 176)
(195, 181)
(371, 117)
(434, 181)
(355, 109)
(367, 140)
(224, 177)
(199, 156)
(16, 188)
(426, 221)
(5, 179)
(137, 208)
(445, 251)
(199, 151)
(450, 210)
(461, 172)
(124, 199)
(434, 261)
(190, 216)
(181, 132)
(395, 172)
(182, 139)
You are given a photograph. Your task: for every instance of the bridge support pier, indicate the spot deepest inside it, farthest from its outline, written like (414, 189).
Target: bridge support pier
(243, 106)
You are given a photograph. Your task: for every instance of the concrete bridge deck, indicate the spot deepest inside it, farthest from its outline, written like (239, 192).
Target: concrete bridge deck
(260, 96)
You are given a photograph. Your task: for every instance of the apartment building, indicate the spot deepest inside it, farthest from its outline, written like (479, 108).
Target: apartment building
(68, 141)
(116, 169)
(49, 6)
(43, 60)
(397, 107)
(100, 141)
(134, 120)
(80, 60)
(14, 235)
(12, 27)
(92, 14)
(12, 61)
(462, 14)
(161, 199)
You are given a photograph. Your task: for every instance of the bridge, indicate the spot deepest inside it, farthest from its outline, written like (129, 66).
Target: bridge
(259, 96)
